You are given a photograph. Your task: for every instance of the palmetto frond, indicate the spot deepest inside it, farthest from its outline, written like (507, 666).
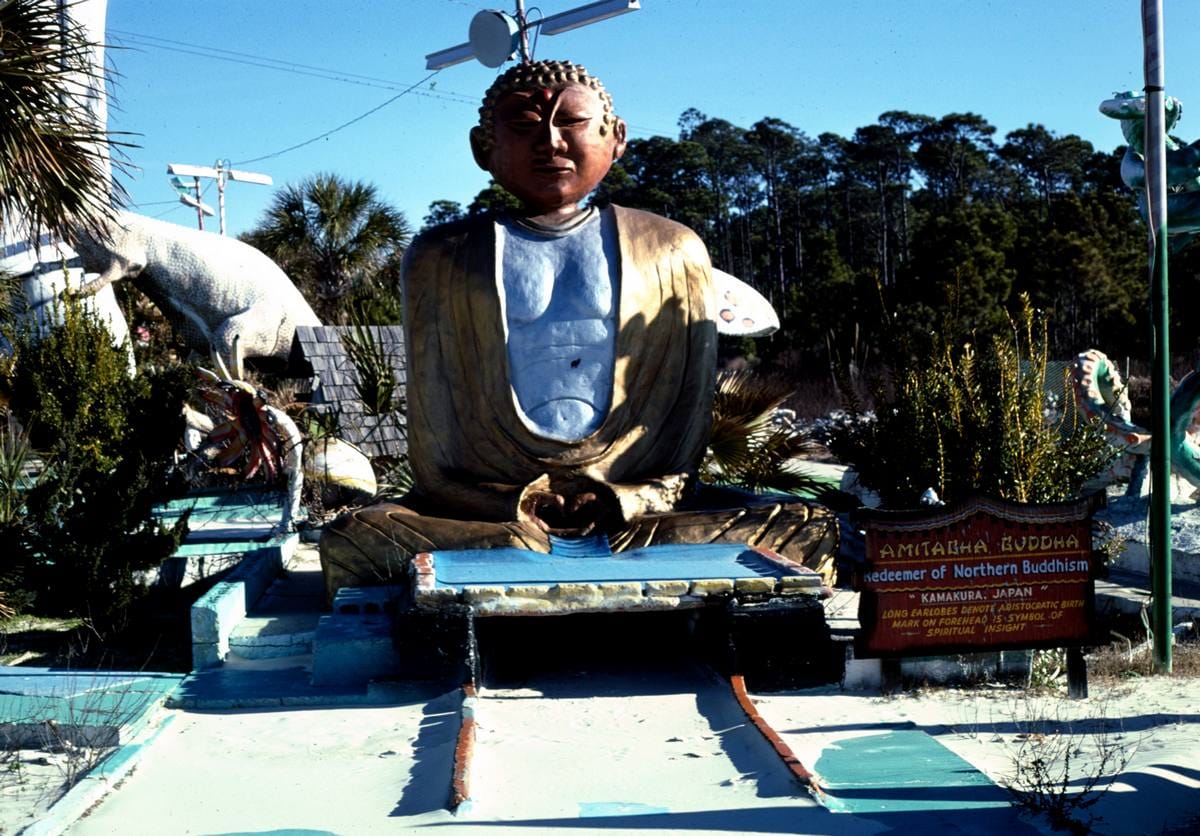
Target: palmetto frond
(53, 155)
(747, 447)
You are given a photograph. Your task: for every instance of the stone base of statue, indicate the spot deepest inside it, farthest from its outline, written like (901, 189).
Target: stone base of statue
(747, 610)
(375, 546)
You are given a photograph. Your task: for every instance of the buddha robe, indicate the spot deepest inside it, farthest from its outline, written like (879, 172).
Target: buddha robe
(474, 458)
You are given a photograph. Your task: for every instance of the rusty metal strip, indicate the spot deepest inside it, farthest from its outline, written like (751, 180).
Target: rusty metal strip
(464, 751)
(807, 779)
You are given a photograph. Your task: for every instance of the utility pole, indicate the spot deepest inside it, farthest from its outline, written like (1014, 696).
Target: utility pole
(221, 172)
(1160, 373)
(190, 196)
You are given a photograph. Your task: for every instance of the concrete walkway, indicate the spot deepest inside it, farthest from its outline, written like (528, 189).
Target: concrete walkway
(620, 748)
(620, 744)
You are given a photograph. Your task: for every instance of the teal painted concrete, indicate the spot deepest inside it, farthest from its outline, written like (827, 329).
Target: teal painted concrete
(287, 831)
(226, 499)
(597, 809)
(247, 511)
(222, 608)
(227, 517)
(351, 651)
(224, 688)
(227, 522)
(102, 779)
(228, 548)
(100, 709)
(902, 771)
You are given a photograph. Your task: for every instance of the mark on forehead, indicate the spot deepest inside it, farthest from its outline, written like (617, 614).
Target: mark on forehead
(546, 93)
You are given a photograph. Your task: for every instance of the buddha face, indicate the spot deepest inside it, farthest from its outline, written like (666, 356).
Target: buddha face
(550, 146)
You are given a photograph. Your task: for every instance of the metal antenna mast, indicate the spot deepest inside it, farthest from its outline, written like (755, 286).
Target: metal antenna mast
(523, 28)
(495, 37)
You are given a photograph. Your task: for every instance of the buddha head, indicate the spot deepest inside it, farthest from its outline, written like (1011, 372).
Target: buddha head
(547, 133)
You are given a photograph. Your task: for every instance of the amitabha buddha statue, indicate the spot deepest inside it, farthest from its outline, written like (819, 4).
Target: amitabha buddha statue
(561, 363)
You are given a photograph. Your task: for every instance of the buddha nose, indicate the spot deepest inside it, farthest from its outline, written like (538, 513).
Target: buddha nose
(551, 136)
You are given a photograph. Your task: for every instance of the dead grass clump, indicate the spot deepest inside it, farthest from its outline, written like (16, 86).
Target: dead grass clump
(811, 399)
(1124, 660)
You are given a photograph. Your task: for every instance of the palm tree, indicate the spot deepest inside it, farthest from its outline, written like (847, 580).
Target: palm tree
(54, 155)
(339, 242)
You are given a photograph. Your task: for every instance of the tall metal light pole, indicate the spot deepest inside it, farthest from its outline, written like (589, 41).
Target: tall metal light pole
(1160, 452)
(219, 171)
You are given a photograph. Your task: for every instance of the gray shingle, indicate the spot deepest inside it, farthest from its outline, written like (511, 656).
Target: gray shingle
(322, 348)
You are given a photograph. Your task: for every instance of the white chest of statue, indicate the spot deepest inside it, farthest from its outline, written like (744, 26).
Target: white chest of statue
(559, 291)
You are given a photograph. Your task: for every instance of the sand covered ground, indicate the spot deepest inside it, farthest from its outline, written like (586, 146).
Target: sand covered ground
(633, 749)
(1152, 724)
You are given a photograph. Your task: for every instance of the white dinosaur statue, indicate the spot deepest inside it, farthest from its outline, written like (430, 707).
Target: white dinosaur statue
(211, 287)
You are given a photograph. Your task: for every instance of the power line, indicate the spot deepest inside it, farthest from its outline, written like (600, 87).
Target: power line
(332, 131)
(281, 65)
(178, 204)
(296, 68)
(314, 71)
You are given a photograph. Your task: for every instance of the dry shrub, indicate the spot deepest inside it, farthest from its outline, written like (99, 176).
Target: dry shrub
(1060, 765)
(1124, 660)
(811, 399)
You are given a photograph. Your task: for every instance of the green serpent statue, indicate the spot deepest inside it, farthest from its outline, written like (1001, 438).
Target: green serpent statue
(1100, 393)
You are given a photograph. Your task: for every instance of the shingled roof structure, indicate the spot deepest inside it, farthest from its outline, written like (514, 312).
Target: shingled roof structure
(318, 352)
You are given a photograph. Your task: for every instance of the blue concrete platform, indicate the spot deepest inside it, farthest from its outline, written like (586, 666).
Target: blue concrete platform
(583, 575)
(589, 560)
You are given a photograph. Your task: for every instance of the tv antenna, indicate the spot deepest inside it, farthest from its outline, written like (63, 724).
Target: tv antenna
(495, 37)
(219, 171)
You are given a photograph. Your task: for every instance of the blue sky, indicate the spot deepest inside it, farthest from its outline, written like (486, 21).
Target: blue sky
(822, 66)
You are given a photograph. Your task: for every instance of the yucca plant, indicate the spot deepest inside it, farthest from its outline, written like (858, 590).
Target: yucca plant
(54, 157)
(749, 448)
(374, 377)
(961, 422)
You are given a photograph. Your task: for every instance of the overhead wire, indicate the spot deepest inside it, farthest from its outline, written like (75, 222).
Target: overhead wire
(340, 127)
(249, 55)
(325, 73)
(311, 70)
(178, 204)
(279, 64)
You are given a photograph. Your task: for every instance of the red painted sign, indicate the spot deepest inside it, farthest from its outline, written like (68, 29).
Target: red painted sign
(980, 576)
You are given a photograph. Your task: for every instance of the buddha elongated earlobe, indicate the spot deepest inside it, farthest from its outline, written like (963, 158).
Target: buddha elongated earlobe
(619, 132)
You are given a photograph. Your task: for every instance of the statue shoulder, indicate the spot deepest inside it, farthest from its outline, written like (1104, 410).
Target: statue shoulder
(443, 241)
(660, 233)
(450, 233)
